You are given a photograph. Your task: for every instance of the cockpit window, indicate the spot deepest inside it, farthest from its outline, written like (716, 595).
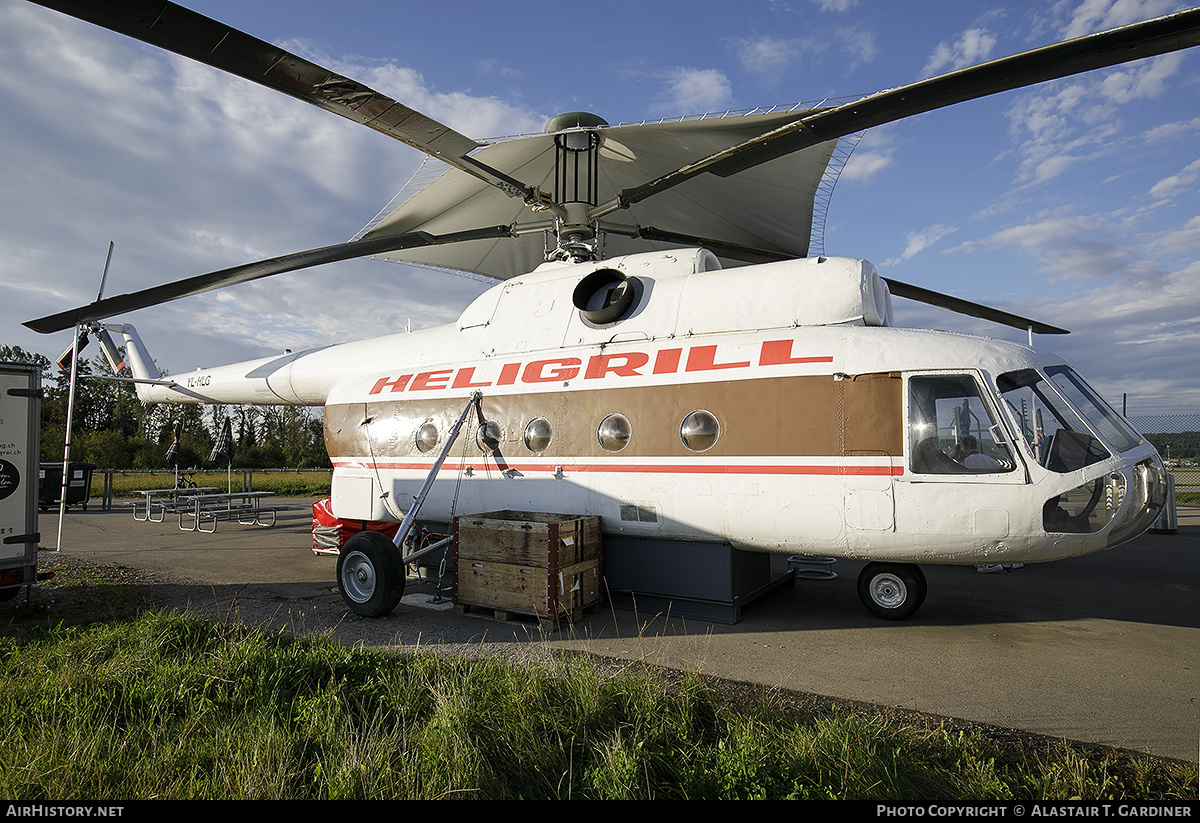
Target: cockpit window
(951, 429)
(1054, 432)
(1106, 422)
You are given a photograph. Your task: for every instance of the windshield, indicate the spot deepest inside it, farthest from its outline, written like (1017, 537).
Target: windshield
(1104, 420)
(1054, 432)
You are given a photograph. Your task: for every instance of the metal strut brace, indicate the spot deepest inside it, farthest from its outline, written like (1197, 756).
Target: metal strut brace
(411, 516)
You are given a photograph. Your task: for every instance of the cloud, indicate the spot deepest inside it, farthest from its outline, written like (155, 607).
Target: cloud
(1071, 248)
(1066, 122)
(862, 166)
(1092, 16)
(768, 55)
(1168, 132)
(696, 90)
(918, 241)
(872, 154)
(1183, 241)
(1131, 309)
(973, 46)
(860, 44)
(1168, 187)
(1119, 290)
(494, 68)
(1140, 81)
(836, 6)
(772, 57)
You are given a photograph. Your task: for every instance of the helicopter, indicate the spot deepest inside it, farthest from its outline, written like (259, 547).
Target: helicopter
(685, 372)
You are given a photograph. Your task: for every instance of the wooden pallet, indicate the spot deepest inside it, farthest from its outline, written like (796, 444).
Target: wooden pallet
(544, 622)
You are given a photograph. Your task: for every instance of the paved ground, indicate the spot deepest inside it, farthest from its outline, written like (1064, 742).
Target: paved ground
(1100, 649)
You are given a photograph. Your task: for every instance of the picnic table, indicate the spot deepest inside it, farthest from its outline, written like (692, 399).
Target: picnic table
(247, 508)
(166, 500)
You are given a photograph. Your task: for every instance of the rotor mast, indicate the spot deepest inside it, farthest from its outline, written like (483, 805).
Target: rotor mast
(576, 184)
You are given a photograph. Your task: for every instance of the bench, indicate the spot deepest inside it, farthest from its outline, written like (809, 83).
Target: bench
(171, 500)
(245, 507)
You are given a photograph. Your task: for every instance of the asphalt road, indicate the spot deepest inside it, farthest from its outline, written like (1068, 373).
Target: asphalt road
(1100, 649)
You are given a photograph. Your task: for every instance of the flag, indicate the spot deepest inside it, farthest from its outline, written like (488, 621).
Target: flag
(173, 452)
(223, 449)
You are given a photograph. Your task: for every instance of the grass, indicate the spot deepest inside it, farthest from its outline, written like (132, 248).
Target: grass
(135, 703)
(284, 482)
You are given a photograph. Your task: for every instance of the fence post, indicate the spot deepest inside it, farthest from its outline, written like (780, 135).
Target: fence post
(1168, 520)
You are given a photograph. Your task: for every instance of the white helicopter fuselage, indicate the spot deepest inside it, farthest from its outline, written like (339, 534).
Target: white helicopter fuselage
(771, 408)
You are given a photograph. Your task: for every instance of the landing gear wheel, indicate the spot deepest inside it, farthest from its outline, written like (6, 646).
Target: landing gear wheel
(893, 591)
(370, 574)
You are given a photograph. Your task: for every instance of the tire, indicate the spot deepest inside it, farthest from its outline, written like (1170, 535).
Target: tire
(370, 574)
(9, 594)
(892, 591)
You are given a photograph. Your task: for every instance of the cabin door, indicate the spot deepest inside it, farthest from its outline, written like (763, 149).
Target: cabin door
(869, 407)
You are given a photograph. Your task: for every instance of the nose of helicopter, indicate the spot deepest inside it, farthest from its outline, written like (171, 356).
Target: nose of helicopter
(1146, 492)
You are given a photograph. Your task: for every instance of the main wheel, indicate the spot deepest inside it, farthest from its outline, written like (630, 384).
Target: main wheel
(893, 591)
(370, 574)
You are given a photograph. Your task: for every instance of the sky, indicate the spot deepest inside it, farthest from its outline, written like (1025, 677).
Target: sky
(1074, 202)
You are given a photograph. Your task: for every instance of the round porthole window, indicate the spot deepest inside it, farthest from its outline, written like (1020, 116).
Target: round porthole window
(427, 437)
(488, 436)
(700, 431)
(538, 434)
(614, 432)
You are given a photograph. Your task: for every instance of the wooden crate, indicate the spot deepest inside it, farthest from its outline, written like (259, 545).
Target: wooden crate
(547, 565)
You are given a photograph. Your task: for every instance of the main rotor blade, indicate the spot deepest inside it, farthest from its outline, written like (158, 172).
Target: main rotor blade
(1147, 39)
(956, 304)
(896, 287)
(735, 251)
(123, 303)
(200, 38)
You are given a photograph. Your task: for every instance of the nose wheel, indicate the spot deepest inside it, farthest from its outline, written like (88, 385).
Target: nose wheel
(893, 591)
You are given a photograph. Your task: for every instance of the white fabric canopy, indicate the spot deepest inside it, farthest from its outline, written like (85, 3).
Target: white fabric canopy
(769, 207)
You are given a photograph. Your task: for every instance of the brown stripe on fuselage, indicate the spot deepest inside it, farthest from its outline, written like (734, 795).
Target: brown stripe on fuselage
(804, 416)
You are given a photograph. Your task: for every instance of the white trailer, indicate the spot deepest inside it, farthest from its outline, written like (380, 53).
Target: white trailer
(20, 424)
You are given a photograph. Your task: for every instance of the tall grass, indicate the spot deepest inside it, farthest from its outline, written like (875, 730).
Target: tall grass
(284, 482)
(181, 707)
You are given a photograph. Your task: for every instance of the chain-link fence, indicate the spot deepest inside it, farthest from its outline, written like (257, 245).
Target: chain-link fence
(1187, 482)
(1161, 413)
(1172, 424)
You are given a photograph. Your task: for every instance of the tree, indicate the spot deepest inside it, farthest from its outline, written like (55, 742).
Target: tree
(289, 436)
(113, 429)
(16, 354)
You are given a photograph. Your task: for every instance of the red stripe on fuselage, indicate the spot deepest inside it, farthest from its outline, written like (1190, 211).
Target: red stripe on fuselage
(637, 468)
